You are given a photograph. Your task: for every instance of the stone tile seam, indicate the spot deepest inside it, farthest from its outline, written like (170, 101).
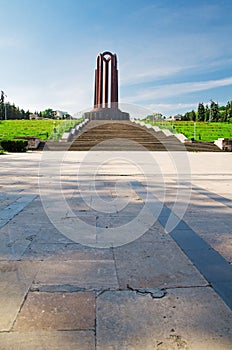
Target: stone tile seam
(24, 298)
(20, 308)
(100, 291)
(115, 265)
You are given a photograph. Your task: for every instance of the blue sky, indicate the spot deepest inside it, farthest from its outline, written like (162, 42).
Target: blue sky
(172, 54)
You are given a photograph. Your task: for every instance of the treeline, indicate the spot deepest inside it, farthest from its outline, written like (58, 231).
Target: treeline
(10, 111)
(210, 113)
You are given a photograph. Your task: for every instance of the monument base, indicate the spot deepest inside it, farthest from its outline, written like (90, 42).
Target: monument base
(107, 114)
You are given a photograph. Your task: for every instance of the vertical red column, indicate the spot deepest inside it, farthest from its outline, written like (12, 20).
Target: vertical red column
(102, 90)
(112, 81)
(100, 82)
(106, 88)
(95, 89)
(115, 83)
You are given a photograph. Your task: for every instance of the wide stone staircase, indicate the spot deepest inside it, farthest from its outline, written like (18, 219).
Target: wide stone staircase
(121, 135)
(125, 136)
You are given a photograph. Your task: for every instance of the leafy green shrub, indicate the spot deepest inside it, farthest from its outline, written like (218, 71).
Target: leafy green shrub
(16, 145)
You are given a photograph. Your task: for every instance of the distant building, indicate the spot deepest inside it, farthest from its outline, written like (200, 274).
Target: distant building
(59, 114)
(176, 117)
(157, 115)
(34, 116)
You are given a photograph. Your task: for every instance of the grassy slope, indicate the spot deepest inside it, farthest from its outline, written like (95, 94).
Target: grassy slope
(204, 131)
(43, 129)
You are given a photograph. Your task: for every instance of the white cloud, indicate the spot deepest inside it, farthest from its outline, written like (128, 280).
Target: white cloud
(144, 74)
(165, 91)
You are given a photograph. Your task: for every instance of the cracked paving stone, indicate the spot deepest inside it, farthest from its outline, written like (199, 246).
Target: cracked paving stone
(185, 318)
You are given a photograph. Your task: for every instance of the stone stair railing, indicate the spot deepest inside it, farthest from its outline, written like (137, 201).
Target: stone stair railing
(69, 135)
(181, 137)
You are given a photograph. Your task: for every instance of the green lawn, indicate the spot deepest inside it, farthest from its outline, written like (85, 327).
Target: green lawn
(203, 131)
(43, 129)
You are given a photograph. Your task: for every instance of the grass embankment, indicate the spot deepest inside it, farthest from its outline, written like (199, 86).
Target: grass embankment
(208, 132)
(42, 129)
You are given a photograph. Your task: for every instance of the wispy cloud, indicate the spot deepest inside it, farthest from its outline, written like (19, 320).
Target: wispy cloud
(145, 74)
(165, 91)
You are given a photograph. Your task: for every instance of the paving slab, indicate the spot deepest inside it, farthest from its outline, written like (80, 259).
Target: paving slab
(155, 265)
(64, 251)
(155, 233)
(92, 274)
(15, 280)
(8, 212)
(12, 246)
(44, 340)
(57, 311)
(192, 318)
(6, 199)
(222, 243)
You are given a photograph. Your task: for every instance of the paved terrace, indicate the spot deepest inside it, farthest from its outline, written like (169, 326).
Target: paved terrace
(151, 272)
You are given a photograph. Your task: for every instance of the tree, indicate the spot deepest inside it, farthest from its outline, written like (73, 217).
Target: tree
(229, 111)
(27, 114)
(2, 104)
(214, 112)
(201, 112)
(48, 113)
(187, 116)
(222, 114)
(207, 113)
(193, 115)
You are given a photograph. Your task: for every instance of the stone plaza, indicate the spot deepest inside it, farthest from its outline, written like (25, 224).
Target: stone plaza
(114, 251)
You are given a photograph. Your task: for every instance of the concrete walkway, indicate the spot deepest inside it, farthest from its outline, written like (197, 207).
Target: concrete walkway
(116, 250)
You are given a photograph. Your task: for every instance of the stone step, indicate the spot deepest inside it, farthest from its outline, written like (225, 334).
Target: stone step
(119, 136)
(125, 136)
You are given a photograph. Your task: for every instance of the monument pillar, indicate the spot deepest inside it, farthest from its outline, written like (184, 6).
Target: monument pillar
(106, 89)
(106, 81)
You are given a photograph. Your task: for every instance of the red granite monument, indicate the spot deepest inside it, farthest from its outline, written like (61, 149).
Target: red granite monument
(106, 90)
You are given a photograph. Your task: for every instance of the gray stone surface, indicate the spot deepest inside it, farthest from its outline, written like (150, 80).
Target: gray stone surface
(149, 295)
(44, 340)
(8, 212)
(12, 246)
(15, 280)
(95, 274)
(65, 251)
(222, 243)
(155, 265)
(192, 318)
(57, 311)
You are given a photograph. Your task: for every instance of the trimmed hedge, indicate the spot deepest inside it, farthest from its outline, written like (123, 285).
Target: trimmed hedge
(17, 145)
